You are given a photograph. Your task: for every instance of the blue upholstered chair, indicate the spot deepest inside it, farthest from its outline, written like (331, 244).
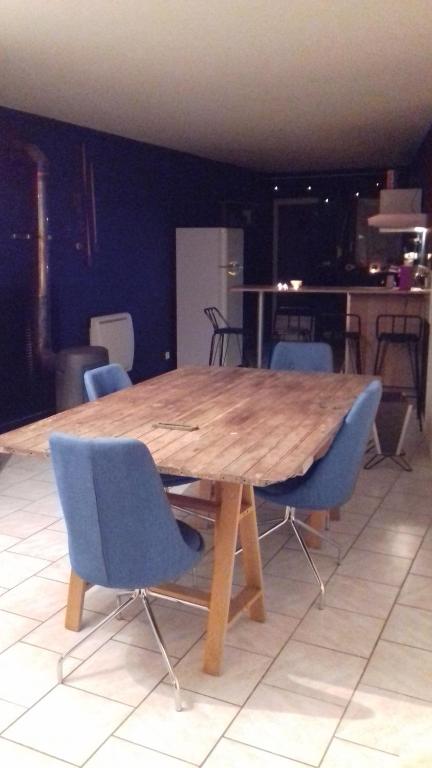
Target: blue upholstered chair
(105, 380)
(330, 481)
(308, 356)
(122, 533)
(112, 378)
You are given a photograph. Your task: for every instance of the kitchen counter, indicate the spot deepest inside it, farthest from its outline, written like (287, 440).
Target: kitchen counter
(354, 289)
(367, 302)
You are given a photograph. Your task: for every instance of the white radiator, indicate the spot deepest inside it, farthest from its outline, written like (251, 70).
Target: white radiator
(115, 332)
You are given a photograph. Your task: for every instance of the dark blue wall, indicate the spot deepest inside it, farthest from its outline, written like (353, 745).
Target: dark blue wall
(142, 194)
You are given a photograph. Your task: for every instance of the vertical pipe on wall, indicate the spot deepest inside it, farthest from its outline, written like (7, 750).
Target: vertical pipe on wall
(41, 320)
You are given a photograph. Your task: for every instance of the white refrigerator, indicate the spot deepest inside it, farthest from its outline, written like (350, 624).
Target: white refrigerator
(209, 260)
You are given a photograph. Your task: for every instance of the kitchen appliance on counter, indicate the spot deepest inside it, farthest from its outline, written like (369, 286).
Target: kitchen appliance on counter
(401, 211)
(422, 276)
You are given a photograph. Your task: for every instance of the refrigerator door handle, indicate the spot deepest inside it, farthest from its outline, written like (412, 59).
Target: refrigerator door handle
(233, 268)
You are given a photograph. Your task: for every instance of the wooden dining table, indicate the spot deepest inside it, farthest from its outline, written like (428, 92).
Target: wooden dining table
(237, 427)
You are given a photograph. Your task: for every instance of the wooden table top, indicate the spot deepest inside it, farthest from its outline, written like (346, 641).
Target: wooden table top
(253, 426)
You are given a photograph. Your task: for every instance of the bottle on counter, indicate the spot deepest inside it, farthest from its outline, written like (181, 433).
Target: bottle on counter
(421, 276)
(405, 278)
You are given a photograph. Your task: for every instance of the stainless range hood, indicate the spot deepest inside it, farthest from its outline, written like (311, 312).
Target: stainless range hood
(400, 211)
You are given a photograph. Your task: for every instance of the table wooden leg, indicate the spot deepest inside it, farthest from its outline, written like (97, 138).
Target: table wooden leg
(4, 458)
(205, 489)
(75, 602)
(225, 538)
(251, 554)
(316, 520)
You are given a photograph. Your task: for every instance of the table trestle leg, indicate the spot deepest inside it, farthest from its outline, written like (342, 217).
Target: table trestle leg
(251, 554)
(225, 538)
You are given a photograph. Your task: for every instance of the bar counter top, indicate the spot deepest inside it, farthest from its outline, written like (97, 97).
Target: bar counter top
(354, 289)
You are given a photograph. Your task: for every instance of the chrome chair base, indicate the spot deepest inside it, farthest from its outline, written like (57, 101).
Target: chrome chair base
(398, 459)
(137, 594)
(296, 524)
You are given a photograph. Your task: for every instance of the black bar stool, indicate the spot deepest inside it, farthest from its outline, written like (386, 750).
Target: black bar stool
(337, 327)
(293, 324)
(401, 329)
(222, 333)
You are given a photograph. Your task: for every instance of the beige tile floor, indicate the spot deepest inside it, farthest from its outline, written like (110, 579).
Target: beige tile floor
(347, 686)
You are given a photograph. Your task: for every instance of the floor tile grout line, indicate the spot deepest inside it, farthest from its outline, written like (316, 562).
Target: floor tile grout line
(416, 607)
(27, 502)
(427, 702)
(8, 701)
(27, 709)
(407, 645)
(135, 744)
(2, 733)
(330, 648)
(173, 657)
(39, 752)
(390, 554)
(51, 521)
(259, 749)
(315, 697)
(169, 686)
(28, 578)
(365, 746)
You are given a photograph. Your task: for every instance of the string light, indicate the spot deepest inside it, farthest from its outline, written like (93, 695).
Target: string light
(309, 189)
(327, 200)
(276, 188)
(357, 194)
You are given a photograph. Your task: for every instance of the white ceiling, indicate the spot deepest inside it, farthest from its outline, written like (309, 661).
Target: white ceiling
(277, 85)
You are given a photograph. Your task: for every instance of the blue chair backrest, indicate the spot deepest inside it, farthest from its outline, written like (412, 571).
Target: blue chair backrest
(308, 356)
(121, 530)
(331, 480)
(105, 380)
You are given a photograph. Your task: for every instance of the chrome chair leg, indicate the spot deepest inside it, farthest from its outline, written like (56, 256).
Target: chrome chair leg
(320, 535)
(132, 596)
(119, 601)
(289, 517)
(310, 561)
(160, 642)
(277, 524)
